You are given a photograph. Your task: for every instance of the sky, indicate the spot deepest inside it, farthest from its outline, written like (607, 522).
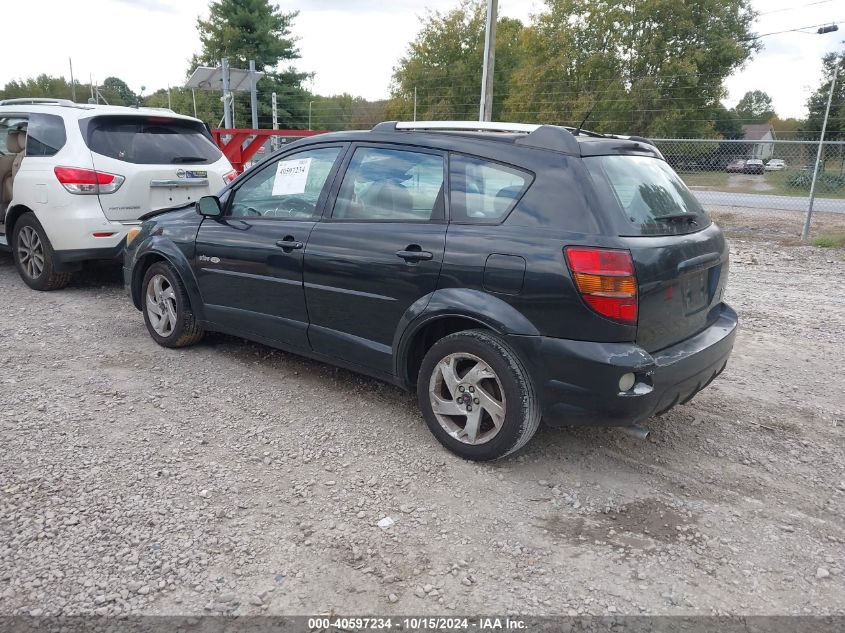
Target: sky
(352, 45)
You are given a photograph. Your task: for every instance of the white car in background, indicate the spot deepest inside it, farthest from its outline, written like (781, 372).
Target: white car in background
(74, 178)
(776, 164)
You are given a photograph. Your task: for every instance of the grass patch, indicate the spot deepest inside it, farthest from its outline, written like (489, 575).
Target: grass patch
(830, 240)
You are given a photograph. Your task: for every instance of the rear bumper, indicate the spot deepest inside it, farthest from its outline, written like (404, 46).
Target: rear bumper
(577, 381)
(69, 260)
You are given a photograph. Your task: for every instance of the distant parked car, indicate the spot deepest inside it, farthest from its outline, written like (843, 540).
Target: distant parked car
(753, 166)
(776, 164)
(736, 166)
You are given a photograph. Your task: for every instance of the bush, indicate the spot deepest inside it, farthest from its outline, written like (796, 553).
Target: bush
(800, 179)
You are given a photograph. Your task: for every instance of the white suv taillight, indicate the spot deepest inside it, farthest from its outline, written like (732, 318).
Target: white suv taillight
(88, 181)
(227, 178)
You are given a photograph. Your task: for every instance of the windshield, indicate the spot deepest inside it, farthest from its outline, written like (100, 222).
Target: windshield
(151, 140)
(652, 196)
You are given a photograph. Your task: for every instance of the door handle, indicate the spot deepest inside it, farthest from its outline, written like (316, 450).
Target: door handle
(289, 243)
(415, 255)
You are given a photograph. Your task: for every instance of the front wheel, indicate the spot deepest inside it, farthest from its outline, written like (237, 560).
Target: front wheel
(167, 309)
(33, 255)
(476, 396)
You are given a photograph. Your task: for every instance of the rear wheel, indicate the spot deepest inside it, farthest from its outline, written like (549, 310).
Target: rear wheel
(476, 396)
(33, 255)
(167, 309)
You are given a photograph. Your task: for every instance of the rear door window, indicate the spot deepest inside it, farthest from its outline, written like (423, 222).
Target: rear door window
(652, 197)
(391, 185)
(151, 140)
(45, 135)
(483, 192)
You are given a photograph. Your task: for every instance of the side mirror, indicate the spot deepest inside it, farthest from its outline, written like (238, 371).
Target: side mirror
(209, 206)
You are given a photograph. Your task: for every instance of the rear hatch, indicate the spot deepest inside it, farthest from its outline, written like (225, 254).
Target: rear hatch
(165, 162)
(680, 257)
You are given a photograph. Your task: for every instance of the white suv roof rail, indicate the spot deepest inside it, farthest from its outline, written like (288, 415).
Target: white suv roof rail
(37, 101)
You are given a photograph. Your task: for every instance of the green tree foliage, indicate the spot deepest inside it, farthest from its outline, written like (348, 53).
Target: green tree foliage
(727, 123)
(444, 64)
(117, 92)
(43, 86)
(652, 67)
(345, 112)
(755, 107)
(817, 103)
(246, 29)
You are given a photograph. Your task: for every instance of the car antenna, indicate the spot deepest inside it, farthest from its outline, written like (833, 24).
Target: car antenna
(586, 116)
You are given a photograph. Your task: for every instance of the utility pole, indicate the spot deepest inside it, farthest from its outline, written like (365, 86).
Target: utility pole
(169, 106)
(274, 143)
(805, 233)
(486, 109)
(253, 94)
(194, 99)
(227, 112)
(72, 85)
(310, 103)
(415, 103)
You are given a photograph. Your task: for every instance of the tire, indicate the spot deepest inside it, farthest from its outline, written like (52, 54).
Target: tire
(167, 309)
(33, 255)
(484, 361)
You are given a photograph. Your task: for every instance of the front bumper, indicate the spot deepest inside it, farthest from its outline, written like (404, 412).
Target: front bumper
(577, 381)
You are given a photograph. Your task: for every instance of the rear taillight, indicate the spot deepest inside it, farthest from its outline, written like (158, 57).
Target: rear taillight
(605, 278)
(227, 178)
(88, 181)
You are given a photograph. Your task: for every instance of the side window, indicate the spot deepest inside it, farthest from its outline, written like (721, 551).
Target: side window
(45, 135)
(7, 124)
(483, 192)
(391, 185)
(288, 189)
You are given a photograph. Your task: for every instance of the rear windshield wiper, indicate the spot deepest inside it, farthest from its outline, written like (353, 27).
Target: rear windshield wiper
(188, 159)
(673, 217)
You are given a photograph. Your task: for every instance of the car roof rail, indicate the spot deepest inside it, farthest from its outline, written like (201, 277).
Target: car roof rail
(551, 137)
(37, 101)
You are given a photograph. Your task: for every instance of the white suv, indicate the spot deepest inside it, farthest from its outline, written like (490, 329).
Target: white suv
(74, 178)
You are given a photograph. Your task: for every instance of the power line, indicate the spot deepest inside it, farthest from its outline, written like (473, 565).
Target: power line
(801, 29)
(801, 6)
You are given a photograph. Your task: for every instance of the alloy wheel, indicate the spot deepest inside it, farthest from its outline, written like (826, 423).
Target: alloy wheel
(467, 398)
(30, 252)
(161, 305)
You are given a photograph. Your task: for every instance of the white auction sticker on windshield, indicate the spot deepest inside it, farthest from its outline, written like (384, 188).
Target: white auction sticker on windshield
(291, 176)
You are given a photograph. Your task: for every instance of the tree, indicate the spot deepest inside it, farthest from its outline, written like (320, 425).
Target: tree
(244, 30)
(117, 92)
(444, 65)
(817, 103)
(755, 107)
(653, 67)
(42, 86)
(727, 123)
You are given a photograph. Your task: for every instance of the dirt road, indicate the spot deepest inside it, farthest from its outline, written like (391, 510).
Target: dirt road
(237, 479)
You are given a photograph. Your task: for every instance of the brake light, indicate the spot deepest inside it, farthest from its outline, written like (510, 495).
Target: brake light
(606, 280)
(227, 178)
(87, 181)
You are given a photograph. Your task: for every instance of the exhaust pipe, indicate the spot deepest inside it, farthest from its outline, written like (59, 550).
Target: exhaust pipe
(636, 430)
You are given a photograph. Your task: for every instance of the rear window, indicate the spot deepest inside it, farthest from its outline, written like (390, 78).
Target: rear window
(151, 140)
(651, 195)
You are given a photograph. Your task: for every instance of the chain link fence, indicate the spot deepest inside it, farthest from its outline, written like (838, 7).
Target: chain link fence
(765, 173)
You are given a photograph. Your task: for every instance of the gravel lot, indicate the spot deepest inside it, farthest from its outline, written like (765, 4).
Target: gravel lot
(232, 478)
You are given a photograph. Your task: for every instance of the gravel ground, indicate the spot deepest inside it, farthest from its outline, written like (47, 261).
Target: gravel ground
(232, 478)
